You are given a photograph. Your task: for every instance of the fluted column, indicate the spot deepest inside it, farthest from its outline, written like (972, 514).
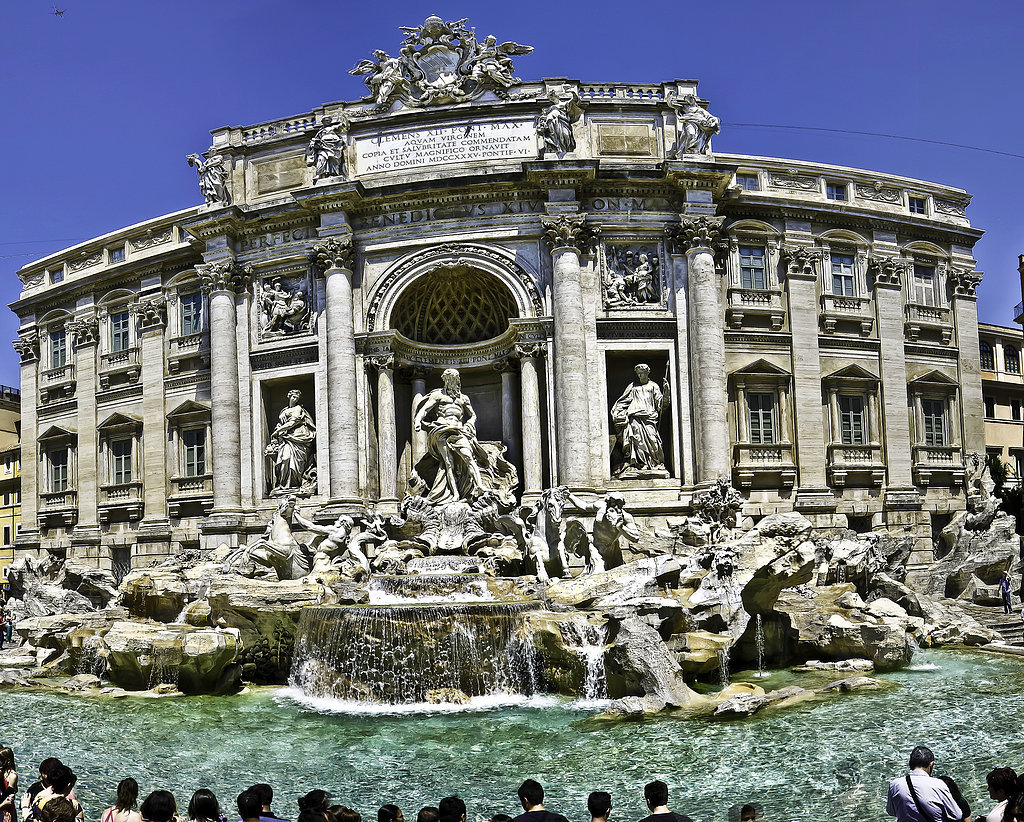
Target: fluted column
(86, 336)
(529, 386)
(152, 319)
(387, 432)
(699, 237)
(335, 258)
(566, 235)
(223, 280)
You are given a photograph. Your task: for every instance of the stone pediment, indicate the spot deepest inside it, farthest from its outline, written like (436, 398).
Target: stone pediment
(190, 409)
(120, 422)
(56, 433)
(760, 368)
(934, 379)
(851, 373)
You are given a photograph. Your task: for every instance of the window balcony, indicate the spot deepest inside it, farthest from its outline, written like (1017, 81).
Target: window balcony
(754, 302)
(188, 352)
(938, 464)
(120, 502)
(856, 464)
(58, 508)
(935, 318)
(770, 464)
(119, 366)
(56, 383)
(190, 491)
(836, 309)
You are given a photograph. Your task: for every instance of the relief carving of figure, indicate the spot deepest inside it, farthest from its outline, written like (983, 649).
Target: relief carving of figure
(213, 177)
(283, 311)
(696, 126)
(555, 123)
(326, 151)
(632, 277)
(636, 416)
(291, 450)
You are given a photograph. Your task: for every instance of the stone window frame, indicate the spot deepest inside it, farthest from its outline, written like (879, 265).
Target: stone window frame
(913, 199)
(926, 255)
(119, 427)
(838, 187)
(743, 177)
(989, 363)
(56, 439)
(110, 304)
(1011, 354)
(990, 405)
(185, 284)
(190, 415)
(117, 254)
(934, 386)
(848, 243)
(759, 234)
(761, 377)
(853, 380)
(47, 325)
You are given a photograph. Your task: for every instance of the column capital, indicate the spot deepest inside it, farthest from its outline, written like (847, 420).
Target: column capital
(334, 253)
(151, 313)
(530, 350)
(887, 272)
(697, 234)
(800, 261)
(224, 275)
(506, 365)
(964, 282)
(569, 231)
(86, 331)
(380, 362)
(27, 346)
(415, 372)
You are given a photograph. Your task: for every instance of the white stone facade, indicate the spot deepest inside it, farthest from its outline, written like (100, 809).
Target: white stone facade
(815, 326)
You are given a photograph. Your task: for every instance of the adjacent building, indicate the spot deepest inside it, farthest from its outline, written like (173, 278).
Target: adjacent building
(812, 329)
(10, 474)
(1003, 394)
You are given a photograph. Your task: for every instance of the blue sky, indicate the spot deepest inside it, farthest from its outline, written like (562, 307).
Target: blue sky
(100, 107)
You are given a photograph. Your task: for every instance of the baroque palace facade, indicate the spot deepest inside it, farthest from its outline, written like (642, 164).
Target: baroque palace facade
(809, 331)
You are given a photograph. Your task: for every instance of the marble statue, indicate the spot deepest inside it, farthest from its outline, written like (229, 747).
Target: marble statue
(492, 63)
(551, 539)
(555, 123)
(213, 177)
(283, 311)
(718, 507)
(291, 450)
(695, 124)
(612, 523)
(636, 416)
(340, 548)
(632, 277)
(384, 76)
(277, 548)
(326, 151)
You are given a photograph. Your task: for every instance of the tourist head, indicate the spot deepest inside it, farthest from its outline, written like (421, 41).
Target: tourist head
(748, 813)
(6, 760)
(60, 809)
(921, 757)
(643, 371)
(344, 814)
(249, 805)
(531, 794)
(390, 813)
(204, 806)
(62, 780)
(958, 797)
(264, 792)
(1002, 782)
(599, 803)
(428, 814)
(46, 767)
(656, 794)
(313, 807)
(159, 806)
(127, 794)
(451, 809)
(501, 817)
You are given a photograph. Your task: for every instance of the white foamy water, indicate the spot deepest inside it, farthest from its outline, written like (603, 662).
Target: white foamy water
(490, 702)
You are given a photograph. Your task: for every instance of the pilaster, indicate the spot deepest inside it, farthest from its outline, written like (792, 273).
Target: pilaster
(85, 331)
(27, 347)
(151, 315)
(963, 284)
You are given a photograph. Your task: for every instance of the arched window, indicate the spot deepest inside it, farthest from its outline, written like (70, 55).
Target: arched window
(1012, 358)
(988, 361)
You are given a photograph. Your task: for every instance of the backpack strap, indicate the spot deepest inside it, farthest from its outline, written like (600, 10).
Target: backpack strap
(920, 806)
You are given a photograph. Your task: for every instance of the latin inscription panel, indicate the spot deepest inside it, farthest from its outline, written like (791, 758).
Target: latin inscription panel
(394, 151)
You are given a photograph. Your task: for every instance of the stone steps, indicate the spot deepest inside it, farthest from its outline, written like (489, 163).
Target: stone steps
(1009, 626)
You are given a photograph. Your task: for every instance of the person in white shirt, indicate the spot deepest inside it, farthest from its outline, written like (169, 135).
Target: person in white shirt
(919, 797)
(1001, 786)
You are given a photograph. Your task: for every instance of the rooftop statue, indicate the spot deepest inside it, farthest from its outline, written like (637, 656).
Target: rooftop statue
(326, 151)
(555, 123)
(696, 126)
(213, 177)
(440, 62)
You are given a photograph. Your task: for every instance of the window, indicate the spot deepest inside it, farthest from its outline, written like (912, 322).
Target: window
(842, 275)
(748, 182)
(916, 205)
(57, 276)
(752, 267)
(117, 254)
(7, 498)
(7, 535)
(194, 444)
(852, 419)
(924, 285)
(191, 314)
(990, 407)
(7, 465)
(119, 331)
(988, 360)
(836, 191)
(58, 349)
(762, 418)
(1012, 359)
(121, 461)
(1015, 410)
(934, 421)
(59, 470)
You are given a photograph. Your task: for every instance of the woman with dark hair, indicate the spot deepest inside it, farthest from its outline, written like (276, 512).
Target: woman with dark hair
(8, 786)
(204, 807)
(124, 807)
(390, 813)
(46, 767)
(159, 806)
(313, 807)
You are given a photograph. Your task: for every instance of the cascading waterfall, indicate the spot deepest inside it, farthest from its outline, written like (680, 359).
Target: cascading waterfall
(589, 641)
(841, 573)
(89, 659)
(759, 636)
(166, 661)
(723, 666)
(397, 654)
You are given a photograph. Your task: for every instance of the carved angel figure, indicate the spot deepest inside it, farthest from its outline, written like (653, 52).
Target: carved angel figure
(213, 177)
(384, 76)
(696, 126)
(555, 123)
(492, 64)
(326, 151)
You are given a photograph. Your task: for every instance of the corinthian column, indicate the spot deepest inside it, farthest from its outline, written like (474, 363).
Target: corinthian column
(335, 257)
(699, 237)
(567, 235)
(529, 382)
(222, 281)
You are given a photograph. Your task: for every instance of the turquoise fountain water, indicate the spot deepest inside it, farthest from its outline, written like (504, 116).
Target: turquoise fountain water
(821, 761)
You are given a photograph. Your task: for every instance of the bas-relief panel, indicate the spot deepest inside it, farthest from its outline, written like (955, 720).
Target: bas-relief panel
(285, 305)
(632, 275)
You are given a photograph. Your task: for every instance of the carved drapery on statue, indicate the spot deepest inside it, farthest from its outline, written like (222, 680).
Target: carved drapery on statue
(283, 307)
(636, 416)
(325, 153)
(695, 126)
(291, 451)
(555, 122)
(440, 62)
(213, 177)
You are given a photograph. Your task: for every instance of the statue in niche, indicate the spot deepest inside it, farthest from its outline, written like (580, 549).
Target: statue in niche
(695, 124)
(293, 468)
(326, 151)
(555, 123)
(632, 277)
(283, 311)
(456, 466)
(636, 416)
(213, 177)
